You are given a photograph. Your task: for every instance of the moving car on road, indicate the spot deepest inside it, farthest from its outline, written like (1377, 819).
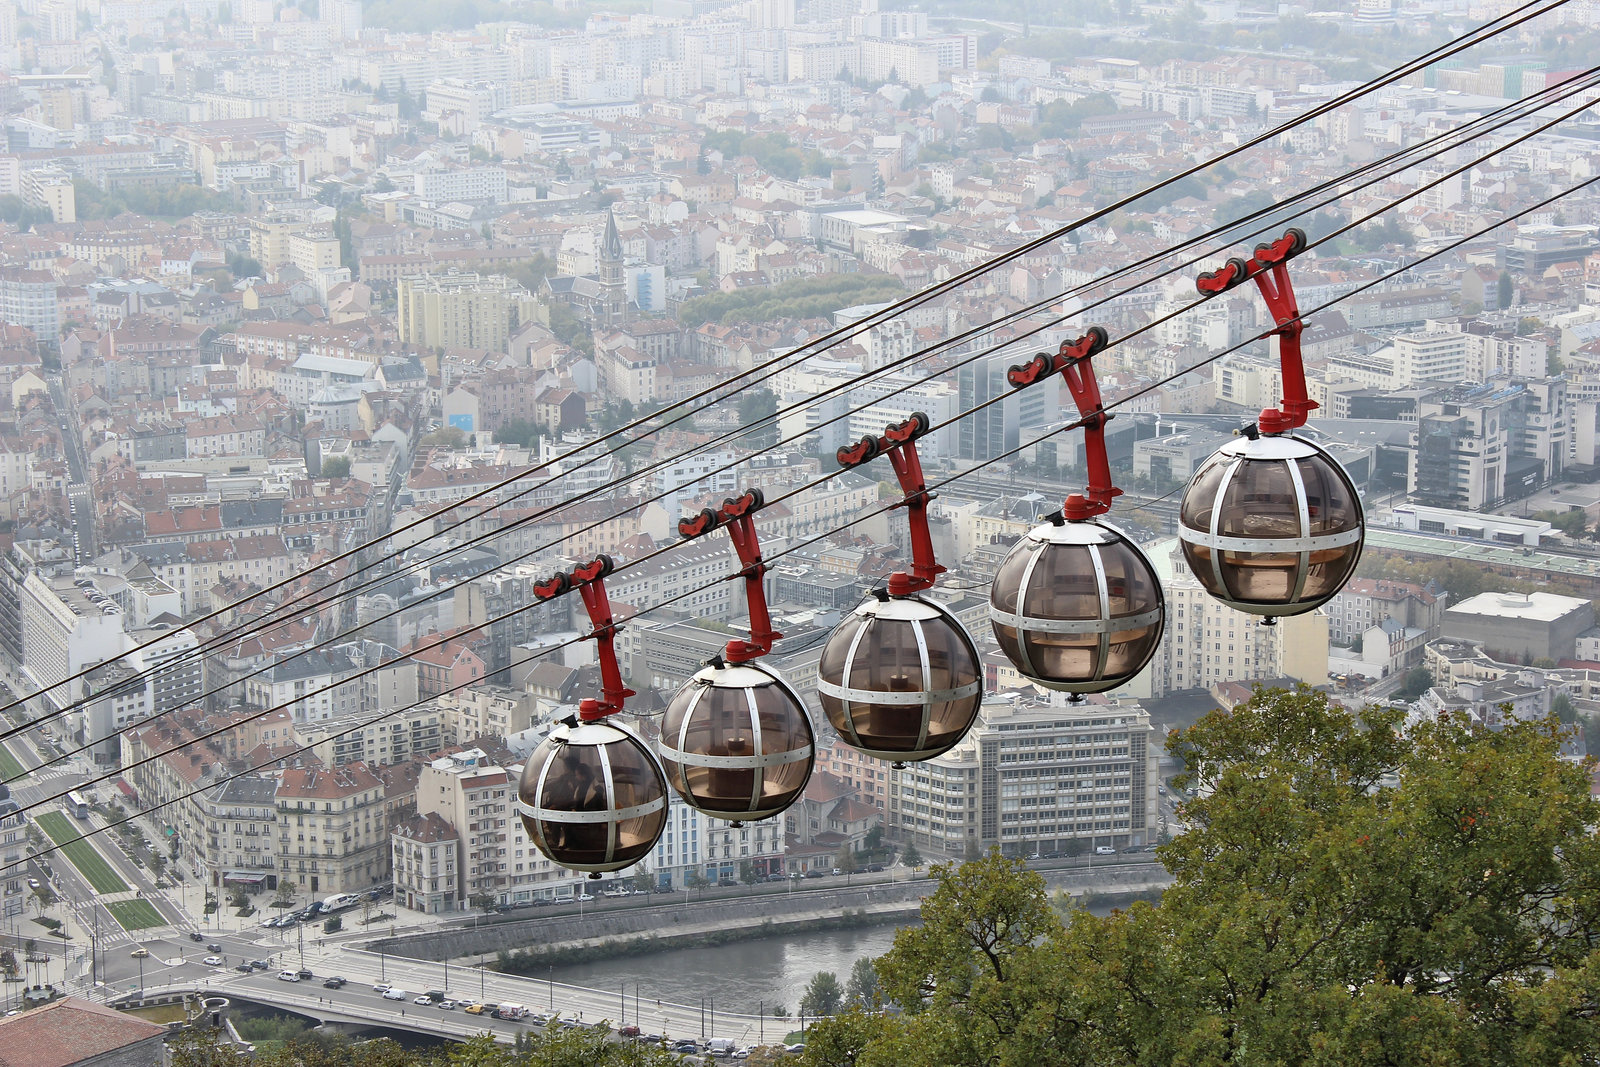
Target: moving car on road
(140, 953)
(215, 961)
(288, 976)
(394, 994)
(333, 983)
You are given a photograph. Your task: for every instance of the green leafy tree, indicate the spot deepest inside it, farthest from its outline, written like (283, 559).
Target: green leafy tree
(861, 990)
(1417, 681)
(200, 1046)
(846, 859)
(1505, 289)
(823, 996)
(336, 467)
(1348, 894)
(754, 406)
(450, 438)
(911, 857)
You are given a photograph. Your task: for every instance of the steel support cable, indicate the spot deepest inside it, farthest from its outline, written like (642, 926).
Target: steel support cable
(1485, 31)
(347, 635)
(883, 509)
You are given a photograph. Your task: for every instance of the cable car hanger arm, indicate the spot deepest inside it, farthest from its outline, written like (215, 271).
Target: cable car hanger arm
(1072, 361)
(1269, 269)
(899, 443)
(737, 515)
(590, 581)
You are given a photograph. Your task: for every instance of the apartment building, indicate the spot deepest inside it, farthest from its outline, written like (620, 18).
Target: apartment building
(332, 836)
(406, 732)
(495, 859)
(426, 865)
(462, 310)
(28, 298)
(1476, 445)
(1207, 642)
(314, 686)
(1365, 602)
(1032, 779)
(473, 183)
(232, 833)
(156, 679)
(487, 710)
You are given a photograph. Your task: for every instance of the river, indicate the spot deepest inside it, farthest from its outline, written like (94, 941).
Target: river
(742, 977)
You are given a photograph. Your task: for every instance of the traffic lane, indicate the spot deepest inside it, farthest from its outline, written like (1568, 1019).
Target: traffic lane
(359, 998)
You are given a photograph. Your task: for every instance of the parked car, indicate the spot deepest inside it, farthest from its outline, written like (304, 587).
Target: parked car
(628, 1031)
(875, 867)
(215, 961)
(726, 881)
(1104, 850)
(288, 976)
(333, 983)
(813, 874)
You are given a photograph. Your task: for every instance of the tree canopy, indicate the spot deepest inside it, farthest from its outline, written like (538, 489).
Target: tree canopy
(801, 298)
(1349, 893)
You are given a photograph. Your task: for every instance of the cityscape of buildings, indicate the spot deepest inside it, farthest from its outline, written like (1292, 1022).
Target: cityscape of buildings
(276, 285)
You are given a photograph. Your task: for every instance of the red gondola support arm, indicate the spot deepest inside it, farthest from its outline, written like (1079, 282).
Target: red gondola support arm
(590, 581)
(899, 441)
(1269, 269)
(1073, 360)
(737, 515)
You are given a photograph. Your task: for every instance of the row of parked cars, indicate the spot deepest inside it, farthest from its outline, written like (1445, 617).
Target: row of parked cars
(717, 1047)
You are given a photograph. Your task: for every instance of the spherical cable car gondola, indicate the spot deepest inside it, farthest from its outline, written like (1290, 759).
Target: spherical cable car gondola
(736, 742)
(1271, 524)
(1076, 605)
(900, 678)
(593, 797)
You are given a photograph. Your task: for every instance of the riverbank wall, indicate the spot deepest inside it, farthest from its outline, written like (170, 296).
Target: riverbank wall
(651, 927)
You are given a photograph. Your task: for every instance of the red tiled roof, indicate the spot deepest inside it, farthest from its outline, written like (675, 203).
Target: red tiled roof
(69, 1031)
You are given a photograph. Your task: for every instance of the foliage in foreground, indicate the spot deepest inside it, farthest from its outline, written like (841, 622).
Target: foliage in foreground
(1347, 896)
(588, 1047)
